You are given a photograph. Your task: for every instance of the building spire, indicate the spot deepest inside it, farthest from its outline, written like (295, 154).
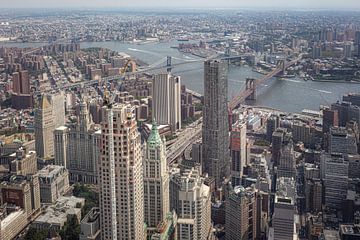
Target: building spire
(154, 139)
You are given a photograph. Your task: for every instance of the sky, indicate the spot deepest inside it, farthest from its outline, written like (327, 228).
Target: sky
(295, 4)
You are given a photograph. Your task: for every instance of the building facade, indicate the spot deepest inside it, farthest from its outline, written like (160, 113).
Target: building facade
(54, 182)
(215, 133)
(44, 126)
(77, 147)
(156, 181)
(121, 176)
(166, 96)
(191, 199)
(238, 152)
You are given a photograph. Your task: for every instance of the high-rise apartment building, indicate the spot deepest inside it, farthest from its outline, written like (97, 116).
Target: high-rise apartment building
(241, 214)
(166, 95)
(44, 127)
(21, 82)
(156, 181)
(215, 133)
(77, 147)
(121, 176)
(237, 152)
(191, 199)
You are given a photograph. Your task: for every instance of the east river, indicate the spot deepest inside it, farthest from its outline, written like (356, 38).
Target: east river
(291, 95)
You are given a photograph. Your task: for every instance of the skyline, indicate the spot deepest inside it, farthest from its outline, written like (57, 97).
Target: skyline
(261, 4)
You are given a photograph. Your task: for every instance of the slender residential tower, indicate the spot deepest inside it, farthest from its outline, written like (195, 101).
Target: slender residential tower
(215, 133)
(156, 181)
(120, 175)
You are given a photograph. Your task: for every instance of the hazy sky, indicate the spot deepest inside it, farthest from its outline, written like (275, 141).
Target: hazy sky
(336, 4)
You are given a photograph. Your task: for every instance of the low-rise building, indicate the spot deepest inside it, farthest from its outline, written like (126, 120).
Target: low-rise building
(56, 215)
(90, 225)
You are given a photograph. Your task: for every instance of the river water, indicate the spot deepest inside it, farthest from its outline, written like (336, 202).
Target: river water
(291, 95)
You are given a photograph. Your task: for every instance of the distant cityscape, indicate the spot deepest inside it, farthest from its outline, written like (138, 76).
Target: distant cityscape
(160, 142)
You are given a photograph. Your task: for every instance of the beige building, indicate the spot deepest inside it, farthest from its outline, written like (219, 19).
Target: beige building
(191, 199)
(121, 176)
(156, 181)
(77, 147)
(54, 182)
(24, 163)
(44, 127)
(166, 96)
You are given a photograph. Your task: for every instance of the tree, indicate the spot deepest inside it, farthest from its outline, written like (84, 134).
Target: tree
(35, 234)
(71, 229)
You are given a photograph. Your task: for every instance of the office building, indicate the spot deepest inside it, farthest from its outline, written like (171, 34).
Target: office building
(342, 140)
(57, 100)
(277, 145)
(334, 173)
(156, 181)
(313, 195)
(77, 147)
(90, 225)
(54, 182)
(241, 214)
(287, 161)
(215, 132)
(237, 152)
(272, 124)
(121, 176)
(44, 124)
(284, 209)
(191, 199)
(167, 100)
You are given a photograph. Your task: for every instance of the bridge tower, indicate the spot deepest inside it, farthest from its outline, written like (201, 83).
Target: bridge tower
(168, 64)
(250, 85)
(280, 64)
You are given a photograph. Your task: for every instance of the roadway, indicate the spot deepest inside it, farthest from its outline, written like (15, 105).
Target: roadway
(186, 138)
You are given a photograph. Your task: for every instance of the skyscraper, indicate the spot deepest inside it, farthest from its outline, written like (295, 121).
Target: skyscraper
(77, 147)
(238, 152)
(121, 176)
(215, 121)
(44, 127)
(166, 97)
(156, 181)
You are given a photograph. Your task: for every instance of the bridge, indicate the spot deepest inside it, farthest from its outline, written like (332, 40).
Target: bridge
(248, 92)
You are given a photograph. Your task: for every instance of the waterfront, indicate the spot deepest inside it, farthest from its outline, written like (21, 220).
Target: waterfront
(290, 95)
